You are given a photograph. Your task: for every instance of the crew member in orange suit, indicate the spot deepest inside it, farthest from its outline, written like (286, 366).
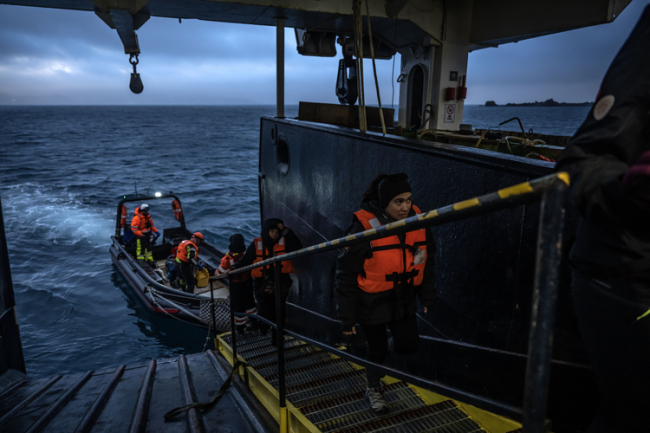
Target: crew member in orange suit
(187, 256)
(241, 285)
(143, 228)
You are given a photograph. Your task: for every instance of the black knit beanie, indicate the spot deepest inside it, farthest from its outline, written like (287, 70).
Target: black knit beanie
(237, 244)
(393, 185)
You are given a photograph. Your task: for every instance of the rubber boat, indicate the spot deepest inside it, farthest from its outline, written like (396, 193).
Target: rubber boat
(153, 284)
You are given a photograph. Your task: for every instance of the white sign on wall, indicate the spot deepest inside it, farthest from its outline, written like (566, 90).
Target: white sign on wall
(450, 113)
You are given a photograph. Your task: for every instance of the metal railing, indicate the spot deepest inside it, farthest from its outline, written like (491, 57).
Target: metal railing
(550, 191)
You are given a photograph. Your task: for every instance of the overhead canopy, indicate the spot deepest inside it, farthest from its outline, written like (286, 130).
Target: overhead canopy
(493, 22)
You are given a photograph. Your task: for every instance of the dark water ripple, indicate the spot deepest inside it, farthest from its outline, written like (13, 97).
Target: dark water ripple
(62, 172)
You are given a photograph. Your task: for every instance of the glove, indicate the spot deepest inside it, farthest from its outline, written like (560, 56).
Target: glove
(156, 234)
(636, 180)
(199, 266)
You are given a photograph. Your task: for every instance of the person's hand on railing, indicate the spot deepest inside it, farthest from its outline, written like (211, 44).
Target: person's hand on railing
(351, 331)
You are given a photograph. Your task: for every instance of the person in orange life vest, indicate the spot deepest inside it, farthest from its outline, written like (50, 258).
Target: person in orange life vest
(142, 228)
(377, 282)
(241, 285)
(293, 242)
(269, 244)
(187, 256)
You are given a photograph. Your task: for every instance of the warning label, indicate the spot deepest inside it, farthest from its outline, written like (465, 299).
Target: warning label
(450, 113)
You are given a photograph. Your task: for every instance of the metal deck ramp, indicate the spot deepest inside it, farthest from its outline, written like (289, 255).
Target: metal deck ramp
(327, 394)
(132, 399)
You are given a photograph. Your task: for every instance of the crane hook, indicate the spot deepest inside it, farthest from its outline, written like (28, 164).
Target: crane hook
(136, 83)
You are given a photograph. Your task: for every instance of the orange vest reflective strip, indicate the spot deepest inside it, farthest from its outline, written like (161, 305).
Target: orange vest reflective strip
(141, 223)
(228, 262)
(278, 249)
(181, 252)
(391, 262)
(178, 212)
(123, 219)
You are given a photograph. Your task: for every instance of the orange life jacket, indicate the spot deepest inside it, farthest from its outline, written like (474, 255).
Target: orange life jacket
(178, 212)
(182, 252)
(278, 249)
(392, 261)
(123, 219)
(228, 262)
(141, 224)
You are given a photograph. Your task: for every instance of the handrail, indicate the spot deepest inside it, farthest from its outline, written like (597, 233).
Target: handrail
(550, 191)
(512, 196)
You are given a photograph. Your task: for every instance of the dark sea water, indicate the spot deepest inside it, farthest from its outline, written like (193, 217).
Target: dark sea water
(64, 169)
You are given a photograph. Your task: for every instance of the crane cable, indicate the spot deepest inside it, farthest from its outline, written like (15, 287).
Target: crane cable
(374, 70)
(358, 52)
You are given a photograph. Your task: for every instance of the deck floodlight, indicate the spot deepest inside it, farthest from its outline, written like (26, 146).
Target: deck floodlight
(158, 194)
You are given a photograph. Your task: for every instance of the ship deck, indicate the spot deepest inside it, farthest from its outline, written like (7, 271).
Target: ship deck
(132, 399)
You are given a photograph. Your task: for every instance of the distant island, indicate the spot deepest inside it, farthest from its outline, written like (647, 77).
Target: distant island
(547, 103)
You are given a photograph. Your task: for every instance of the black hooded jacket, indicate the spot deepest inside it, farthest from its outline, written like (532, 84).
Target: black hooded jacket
(268, 243)
(613, 236)
(357, 306)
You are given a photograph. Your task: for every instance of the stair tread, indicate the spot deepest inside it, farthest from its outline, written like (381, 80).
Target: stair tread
(441, 417)
(354, 409)
(330, 392)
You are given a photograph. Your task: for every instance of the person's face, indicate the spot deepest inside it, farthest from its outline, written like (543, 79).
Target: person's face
(145, 211)
(274, 234)
(400, 206)
(281, 226)
(195, 240)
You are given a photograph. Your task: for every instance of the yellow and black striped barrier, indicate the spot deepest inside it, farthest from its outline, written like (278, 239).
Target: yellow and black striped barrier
(522, 193)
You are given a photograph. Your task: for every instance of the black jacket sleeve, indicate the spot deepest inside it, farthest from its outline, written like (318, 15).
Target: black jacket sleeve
(348, 267)
(427, 291)
(249, 257)
(293, 242)
(614, 135)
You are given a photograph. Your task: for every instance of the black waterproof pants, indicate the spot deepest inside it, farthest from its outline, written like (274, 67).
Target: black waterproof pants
(266, 304)
(186, 274)
(143, 247)
(243, 301)
(618, 345)
(405, 338)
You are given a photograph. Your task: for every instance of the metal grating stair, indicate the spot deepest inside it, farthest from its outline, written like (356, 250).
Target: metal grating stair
(330, 392)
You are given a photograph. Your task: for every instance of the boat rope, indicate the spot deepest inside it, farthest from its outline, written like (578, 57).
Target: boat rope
(175, 305)
(153, 298)
(207, 337)
(198, 405)
(374, 70)
(358, 52)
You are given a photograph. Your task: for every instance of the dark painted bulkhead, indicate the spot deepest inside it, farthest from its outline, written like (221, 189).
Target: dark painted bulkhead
(313, 176)
(11, 349)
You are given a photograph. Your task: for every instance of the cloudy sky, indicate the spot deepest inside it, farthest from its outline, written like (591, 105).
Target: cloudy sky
(65, 57)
